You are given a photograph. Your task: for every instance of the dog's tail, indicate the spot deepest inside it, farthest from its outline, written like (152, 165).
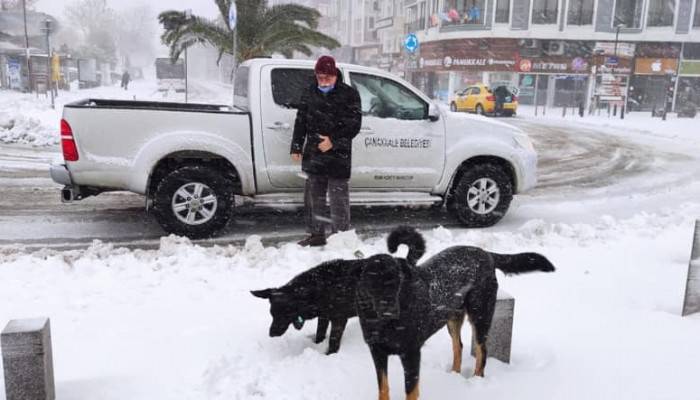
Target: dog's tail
(522, 263)
(411, 238)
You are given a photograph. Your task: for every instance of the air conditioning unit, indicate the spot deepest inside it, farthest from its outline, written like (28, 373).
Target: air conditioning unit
(528, 43)
(555, 47)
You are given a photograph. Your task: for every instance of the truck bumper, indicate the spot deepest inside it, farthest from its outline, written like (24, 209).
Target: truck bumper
(60, 174)
(528, 175)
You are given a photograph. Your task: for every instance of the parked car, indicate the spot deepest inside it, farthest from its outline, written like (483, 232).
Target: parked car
(482, 100)
(190, 161)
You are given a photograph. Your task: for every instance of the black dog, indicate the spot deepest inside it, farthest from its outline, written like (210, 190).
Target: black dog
(401, 305)
(326, 291)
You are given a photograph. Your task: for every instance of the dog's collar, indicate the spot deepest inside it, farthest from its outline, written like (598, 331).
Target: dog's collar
(298, 322)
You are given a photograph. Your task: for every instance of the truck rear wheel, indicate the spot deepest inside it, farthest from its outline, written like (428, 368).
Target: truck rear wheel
(481, 196)
(193, 201)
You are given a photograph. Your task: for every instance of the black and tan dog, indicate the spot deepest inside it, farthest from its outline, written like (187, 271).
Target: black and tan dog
(401, 305)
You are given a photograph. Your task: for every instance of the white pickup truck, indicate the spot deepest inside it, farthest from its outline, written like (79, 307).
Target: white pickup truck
(192, 160)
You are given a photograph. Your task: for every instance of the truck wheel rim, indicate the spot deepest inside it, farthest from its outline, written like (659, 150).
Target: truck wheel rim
(483, 196)
(194, 203)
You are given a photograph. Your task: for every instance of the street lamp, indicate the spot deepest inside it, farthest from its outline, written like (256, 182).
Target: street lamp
(47, 29)
(188, 15)
(617, 34)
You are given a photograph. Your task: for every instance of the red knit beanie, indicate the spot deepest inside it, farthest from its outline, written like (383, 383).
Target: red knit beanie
(325, 65)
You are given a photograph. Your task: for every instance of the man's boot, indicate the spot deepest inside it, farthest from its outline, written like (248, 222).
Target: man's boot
(313, 241)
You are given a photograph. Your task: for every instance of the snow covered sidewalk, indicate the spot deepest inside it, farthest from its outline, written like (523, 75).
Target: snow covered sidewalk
(179, 322)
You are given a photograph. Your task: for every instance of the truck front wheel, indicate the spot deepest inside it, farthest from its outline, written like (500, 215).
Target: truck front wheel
(481, 196)
(193, 201)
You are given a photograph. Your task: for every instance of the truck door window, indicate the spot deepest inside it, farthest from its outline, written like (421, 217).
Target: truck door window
(384, 98)
(289, 83)
(240, 90)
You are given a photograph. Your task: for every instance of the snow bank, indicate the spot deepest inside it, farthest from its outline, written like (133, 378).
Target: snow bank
(180, 322)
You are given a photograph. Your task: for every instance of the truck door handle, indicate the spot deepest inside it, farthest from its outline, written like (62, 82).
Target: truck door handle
(367, 130)
(279, 126)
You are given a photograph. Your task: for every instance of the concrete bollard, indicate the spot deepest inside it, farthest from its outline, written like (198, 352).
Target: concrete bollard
(501, 333)
(691, 302)
(27, 360)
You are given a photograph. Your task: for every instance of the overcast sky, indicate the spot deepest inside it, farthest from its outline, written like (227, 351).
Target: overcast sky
(205, 8)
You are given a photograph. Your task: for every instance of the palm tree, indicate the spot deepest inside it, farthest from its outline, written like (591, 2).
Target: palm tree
(260, 31)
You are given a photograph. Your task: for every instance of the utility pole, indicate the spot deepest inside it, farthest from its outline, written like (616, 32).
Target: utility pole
(26, 45)
(47, 29)
(188, 15)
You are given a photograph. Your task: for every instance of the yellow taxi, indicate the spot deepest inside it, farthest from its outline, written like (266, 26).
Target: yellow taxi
(481, 99)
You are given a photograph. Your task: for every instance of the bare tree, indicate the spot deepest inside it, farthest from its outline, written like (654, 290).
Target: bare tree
(97, 22)
(135, 33)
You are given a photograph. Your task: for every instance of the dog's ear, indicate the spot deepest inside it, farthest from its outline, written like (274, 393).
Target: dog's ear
(263, 294)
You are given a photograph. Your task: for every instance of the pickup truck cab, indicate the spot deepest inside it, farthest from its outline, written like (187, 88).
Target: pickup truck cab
(191, 161)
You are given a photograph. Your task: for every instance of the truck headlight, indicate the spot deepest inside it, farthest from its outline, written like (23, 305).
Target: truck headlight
(524, 142)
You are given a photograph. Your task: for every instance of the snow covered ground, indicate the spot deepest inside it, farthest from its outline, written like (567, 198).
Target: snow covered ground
(179, 322)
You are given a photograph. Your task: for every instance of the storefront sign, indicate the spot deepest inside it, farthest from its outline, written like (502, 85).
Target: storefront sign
(609, 49)
(578, 64)
(525, 65)
(612, 60)
(384, 23)
(690, 68)
(655, 66)
(13, 73)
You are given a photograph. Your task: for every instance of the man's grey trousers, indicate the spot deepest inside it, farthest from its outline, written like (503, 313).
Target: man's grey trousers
(316, 208)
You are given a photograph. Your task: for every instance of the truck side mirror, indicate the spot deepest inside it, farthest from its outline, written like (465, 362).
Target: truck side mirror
(433, 112)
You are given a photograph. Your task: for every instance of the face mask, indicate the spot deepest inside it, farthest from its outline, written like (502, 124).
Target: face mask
(326, 89)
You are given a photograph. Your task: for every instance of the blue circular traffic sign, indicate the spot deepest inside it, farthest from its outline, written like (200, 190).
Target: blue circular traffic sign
(411, 43)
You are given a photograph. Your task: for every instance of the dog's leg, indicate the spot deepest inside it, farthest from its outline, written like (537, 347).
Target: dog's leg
(480, 309)
(454, 327)
(321, 329)
(411, 372)
(381, 365)
(337, 329)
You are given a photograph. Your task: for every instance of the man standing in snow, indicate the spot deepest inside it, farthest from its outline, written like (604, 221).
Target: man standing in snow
(328, 118)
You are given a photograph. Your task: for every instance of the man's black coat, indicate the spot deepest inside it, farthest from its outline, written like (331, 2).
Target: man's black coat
(337, 115)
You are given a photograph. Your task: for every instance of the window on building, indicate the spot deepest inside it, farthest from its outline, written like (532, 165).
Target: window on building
(691, 51)
(696, 19)
(580, 12)
(628, 13)
(545, 12)
(661, 12)
(502, 11)
(464, 12)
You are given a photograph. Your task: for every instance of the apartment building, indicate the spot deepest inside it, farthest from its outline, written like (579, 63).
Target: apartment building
(560, 52)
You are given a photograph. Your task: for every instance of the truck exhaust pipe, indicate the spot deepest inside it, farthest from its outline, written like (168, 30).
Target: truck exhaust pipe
(68, 195)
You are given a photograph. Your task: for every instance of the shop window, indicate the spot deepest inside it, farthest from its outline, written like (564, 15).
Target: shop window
(502, 11)
(628, 13)
(696, 18)
(580, 12)
(661, 12)
(464, 12)
(691, 51)
(544, 12)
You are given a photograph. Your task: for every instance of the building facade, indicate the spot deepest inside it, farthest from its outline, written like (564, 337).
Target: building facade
(556, 52)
